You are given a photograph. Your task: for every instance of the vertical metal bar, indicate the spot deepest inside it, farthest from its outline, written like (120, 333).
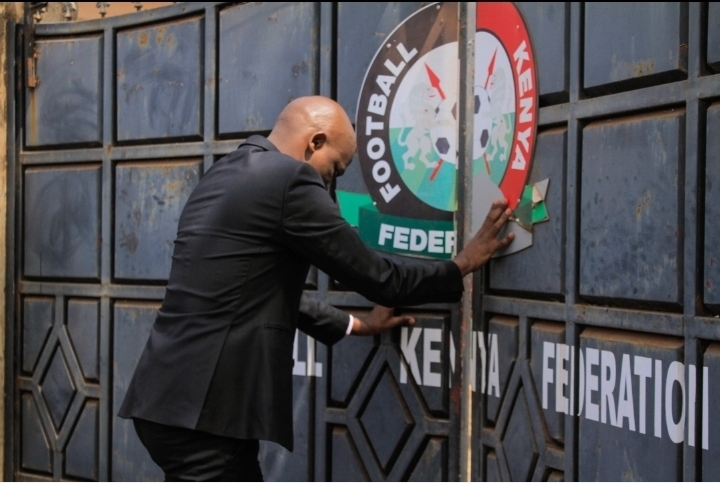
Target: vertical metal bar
(106, 358)
(106, 251)
(572, 219)
(324, 86)
(693, 232)
(466, 45)
(13, 144)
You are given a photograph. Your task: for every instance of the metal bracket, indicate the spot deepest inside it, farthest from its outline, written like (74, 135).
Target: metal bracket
(31, 53)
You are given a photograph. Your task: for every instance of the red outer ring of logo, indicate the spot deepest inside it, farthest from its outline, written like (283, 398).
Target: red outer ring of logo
(506, 22)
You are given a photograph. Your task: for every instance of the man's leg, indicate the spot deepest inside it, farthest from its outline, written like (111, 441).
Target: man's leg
(189, 455)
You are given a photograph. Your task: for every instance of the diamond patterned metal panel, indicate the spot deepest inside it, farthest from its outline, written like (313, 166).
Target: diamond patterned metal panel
(83, 323)
(57, 388)
(432, 465)
(553, 333)
(81, 452)
(38, 316)
(519, 441)
(346, 464)
(35, 451)
(386, 419)
(502, 347)
(349, 357)
(491, 467)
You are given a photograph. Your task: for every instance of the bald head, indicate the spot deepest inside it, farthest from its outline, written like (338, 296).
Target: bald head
(316, 130)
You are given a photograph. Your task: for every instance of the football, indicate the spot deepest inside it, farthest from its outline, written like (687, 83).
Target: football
(443, 133)
(482, 122)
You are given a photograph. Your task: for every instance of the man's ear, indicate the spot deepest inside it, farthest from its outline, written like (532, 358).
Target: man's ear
(317, 141)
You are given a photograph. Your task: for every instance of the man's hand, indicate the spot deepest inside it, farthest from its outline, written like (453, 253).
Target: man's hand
(379, 320)
(485, 242)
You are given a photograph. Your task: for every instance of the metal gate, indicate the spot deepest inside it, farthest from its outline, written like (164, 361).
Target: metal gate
(594, 349)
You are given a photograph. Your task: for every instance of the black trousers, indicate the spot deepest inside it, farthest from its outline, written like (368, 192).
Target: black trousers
(190, 455)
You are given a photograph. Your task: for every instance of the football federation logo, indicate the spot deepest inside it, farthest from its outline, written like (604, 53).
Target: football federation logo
(408, 131)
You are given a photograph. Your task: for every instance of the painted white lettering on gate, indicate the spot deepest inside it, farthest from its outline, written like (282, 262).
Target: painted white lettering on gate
(526, 100)
(308, 367)
(601, 380)
(431, 354)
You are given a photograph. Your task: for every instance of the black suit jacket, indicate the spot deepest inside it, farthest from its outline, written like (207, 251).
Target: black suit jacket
(219, 356)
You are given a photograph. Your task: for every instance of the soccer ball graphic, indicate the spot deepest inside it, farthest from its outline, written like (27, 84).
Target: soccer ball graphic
(482, 122)
(443, 133)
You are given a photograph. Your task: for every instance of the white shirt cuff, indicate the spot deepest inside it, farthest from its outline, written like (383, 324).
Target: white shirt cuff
(350, 326)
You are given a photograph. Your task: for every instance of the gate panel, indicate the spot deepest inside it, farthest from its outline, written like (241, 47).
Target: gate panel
(387, 414)
(132, 322)
(149, 198)
(159, 74)
(622, 51)
(632, 163)
(81, 452)
(540, 268)
(62, 222)
(626, 425)
(288, 36)
(711, 281)
(65, 108)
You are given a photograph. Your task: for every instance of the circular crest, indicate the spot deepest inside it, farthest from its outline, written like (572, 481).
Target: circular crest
(407, 121)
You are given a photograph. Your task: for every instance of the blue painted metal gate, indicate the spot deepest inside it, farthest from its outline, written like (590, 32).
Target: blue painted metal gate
(609, 318)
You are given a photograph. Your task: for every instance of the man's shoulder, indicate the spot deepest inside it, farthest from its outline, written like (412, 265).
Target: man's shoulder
(277, 165)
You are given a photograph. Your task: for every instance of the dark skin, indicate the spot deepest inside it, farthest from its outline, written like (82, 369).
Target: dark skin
(316, 130)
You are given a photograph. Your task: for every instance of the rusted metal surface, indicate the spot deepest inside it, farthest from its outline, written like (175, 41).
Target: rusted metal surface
(633, 162)
(287, 61)
(149, 198)
(619, 53)
(66, 107)
(159, 80)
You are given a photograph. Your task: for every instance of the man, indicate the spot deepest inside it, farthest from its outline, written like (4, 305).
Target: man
(216, 374)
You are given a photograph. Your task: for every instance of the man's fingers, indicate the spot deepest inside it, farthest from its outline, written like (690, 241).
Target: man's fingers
(504, 217)
(402, 320)
(507, 240)
(496, 210)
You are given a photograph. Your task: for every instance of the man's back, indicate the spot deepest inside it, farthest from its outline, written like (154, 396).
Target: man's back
(219, 357)
(233, 293)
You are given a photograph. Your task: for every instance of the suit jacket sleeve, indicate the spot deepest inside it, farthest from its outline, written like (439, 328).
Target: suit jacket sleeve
(321, 321)
(313, 228)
